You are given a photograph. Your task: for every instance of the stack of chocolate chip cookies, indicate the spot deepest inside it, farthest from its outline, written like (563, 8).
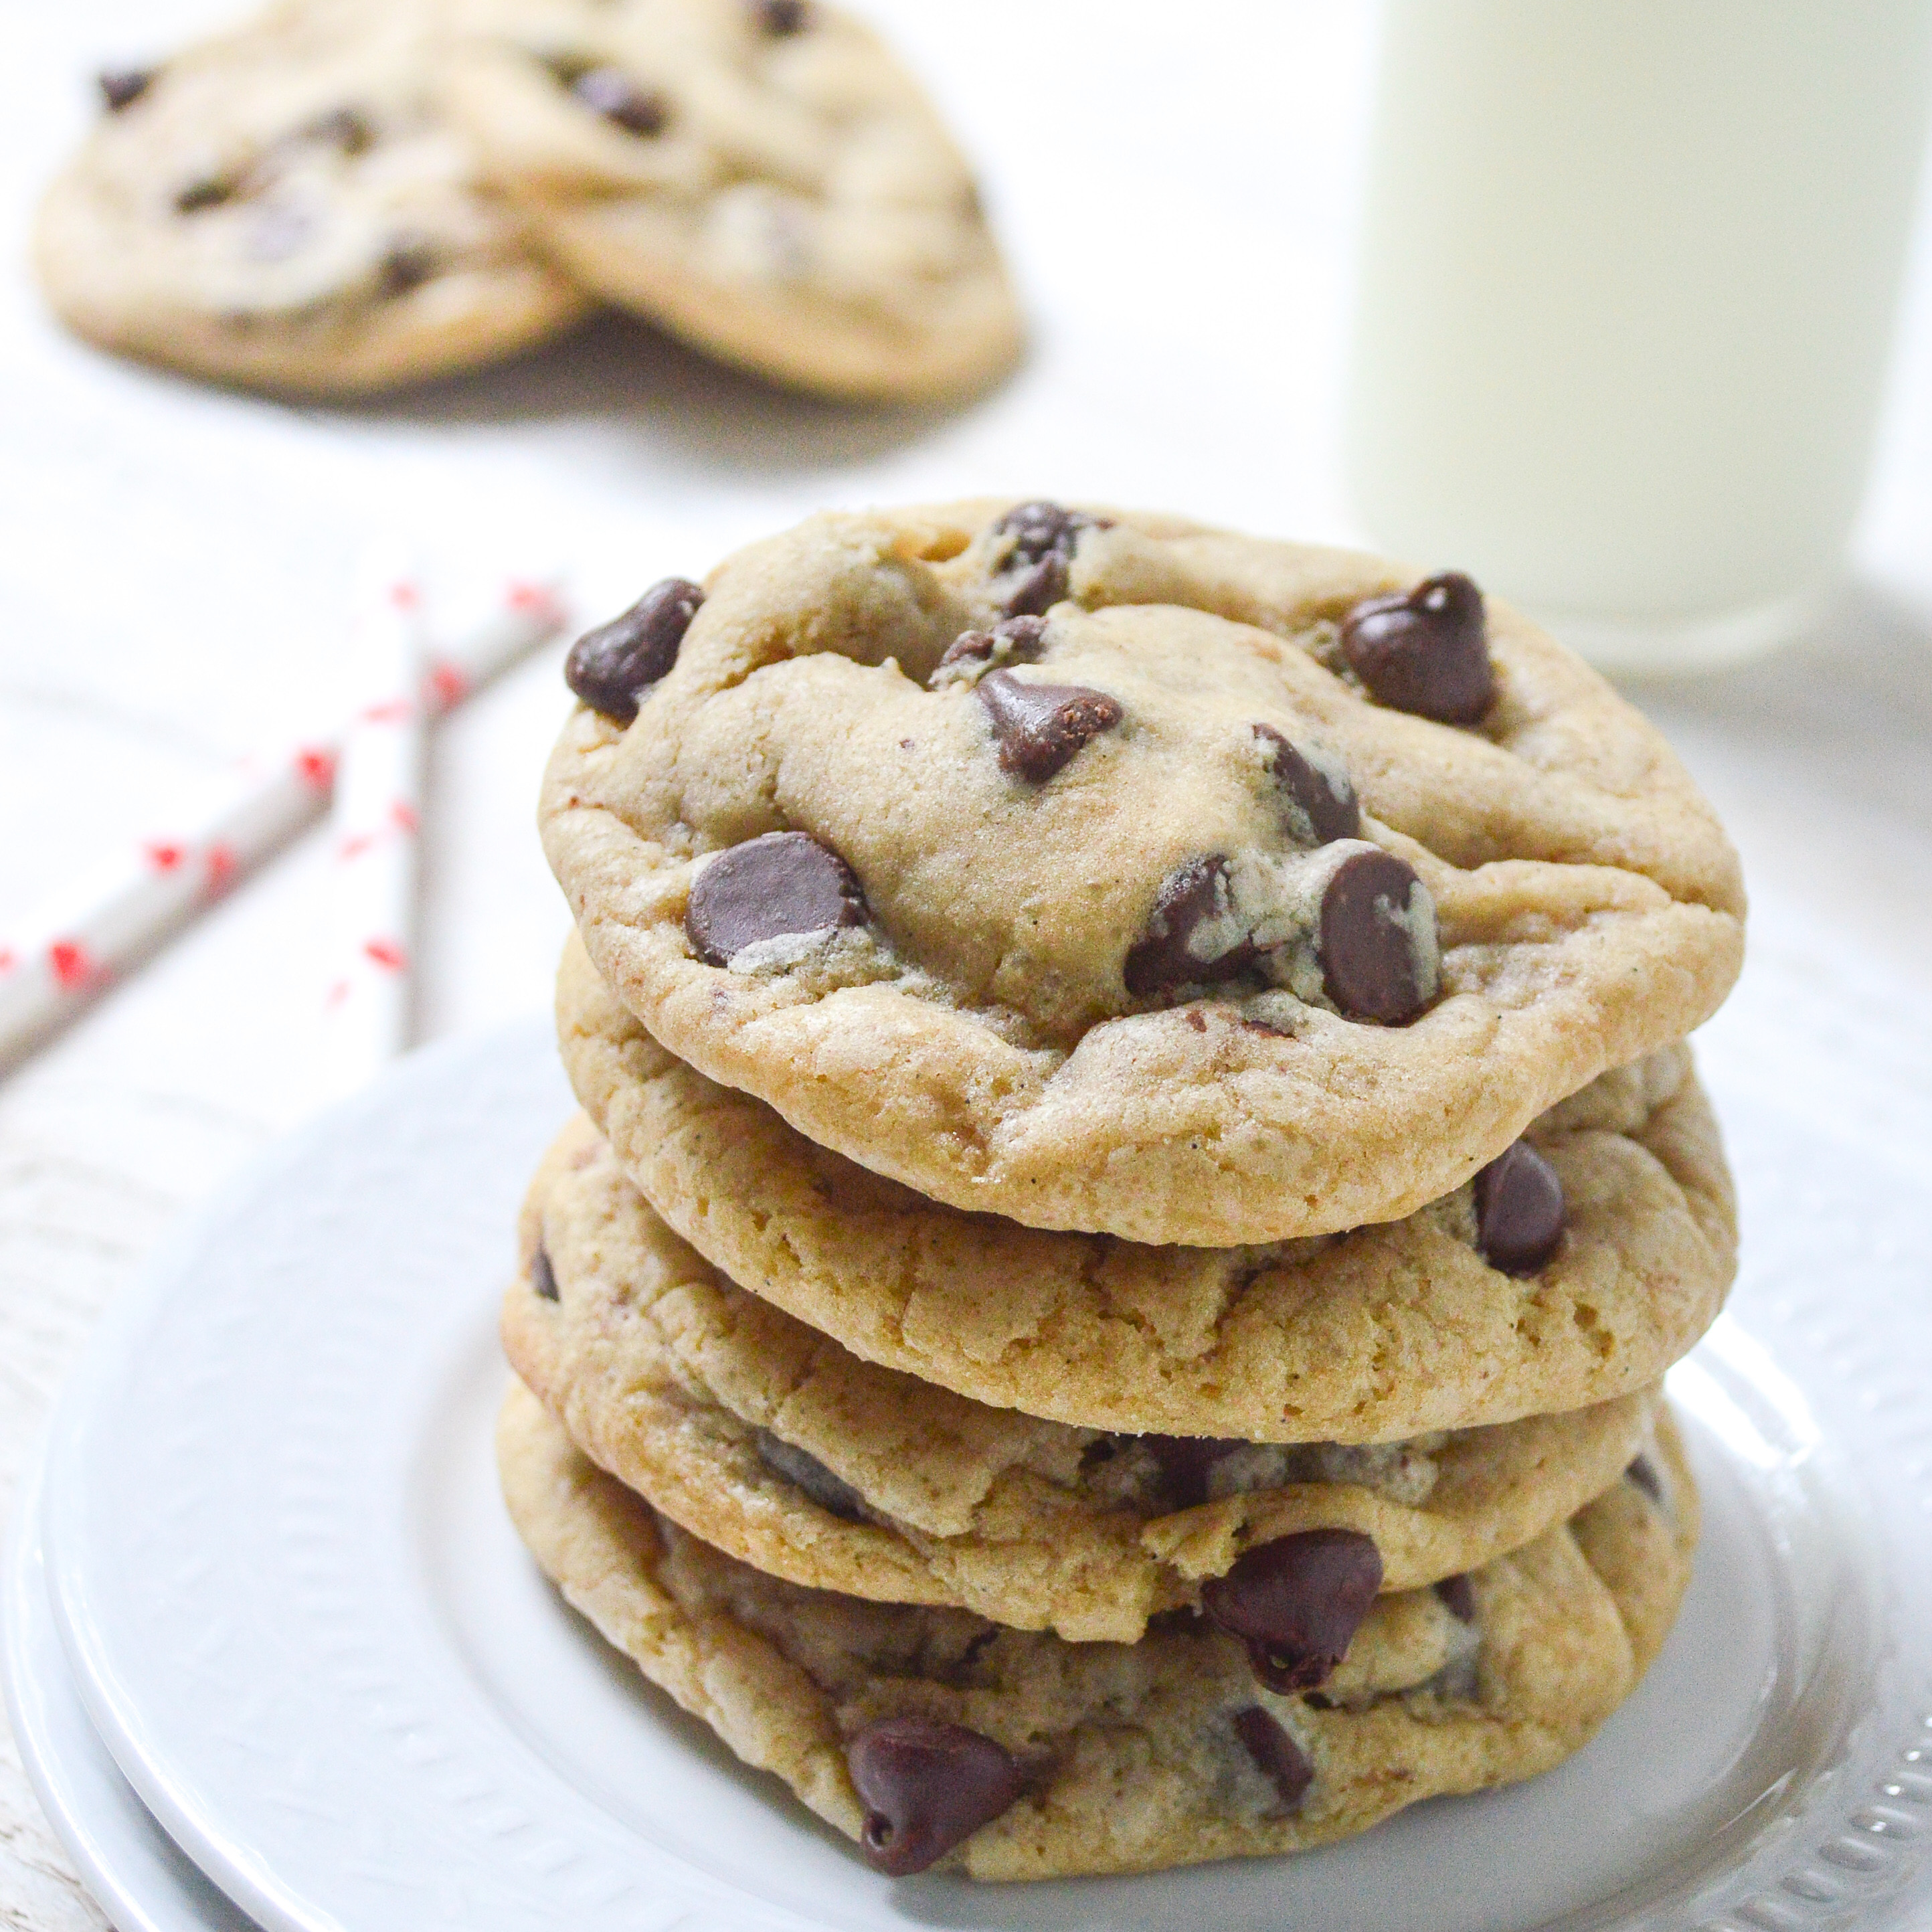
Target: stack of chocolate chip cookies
(1139, 1175)
(345, 195)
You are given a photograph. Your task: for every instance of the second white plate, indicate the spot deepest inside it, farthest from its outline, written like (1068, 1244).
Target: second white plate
(298, 1617)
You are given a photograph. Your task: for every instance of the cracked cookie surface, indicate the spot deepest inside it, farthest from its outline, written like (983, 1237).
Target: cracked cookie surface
(1117, 1757)
(1145, 992)
(770, 1441)
(1386, 1332)
(286, 207)
(768, 183)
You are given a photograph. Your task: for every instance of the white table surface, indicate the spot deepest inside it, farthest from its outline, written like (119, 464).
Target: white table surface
(172, 561)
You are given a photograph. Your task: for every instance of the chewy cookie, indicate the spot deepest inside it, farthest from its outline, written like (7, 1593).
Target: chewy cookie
(286, 207)
(1384, 1333)
(759, 177)
(931, 1736)
(1105, 872)
(769, 1441)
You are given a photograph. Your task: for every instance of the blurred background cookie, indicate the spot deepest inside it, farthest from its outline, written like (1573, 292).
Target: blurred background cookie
(284, 207)
(759, 177)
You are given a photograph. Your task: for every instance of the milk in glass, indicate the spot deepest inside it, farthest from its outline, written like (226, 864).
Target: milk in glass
(1627, 277)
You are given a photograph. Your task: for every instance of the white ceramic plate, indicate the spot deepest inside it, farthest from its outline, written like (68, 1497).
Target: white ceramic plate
(299, 1618)
(140, 1878)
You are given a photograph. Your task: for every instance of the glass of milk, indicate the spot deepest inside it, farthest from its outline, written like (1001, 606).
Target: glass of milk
(1627, 284)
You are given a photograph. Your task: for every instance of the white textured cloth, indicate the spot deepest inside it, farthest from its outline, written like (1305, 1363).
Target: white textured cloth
(173, 561)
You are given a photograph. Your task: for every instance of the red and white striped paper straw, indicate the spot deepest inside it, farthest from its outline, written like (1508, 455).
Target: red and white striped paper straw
(60, 957)
(373, 827)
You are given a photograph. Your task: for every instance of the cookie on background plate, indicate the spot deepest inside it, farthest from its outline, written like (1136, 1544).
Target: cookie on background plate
(1481, 1307)
(932, 1736)
(770, 1441)
(1104, 872)
(761, 177)
(285, 207)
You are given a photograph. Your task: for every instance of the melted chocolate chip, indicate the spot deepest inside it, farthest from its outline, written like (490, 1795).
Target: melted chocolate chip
(1518, 1210)
(1277, 1756)
(611, 92)
(122, 86)
(770, 888)
(1013, 641)
(1160, 960)
(610, 667)
(1372, 966)
(1643, 1474)
(345, 128)
(405, 266)
(1427, 651)
(805, 1471)
(1459, 1597)
(1041, 529)
(1185, 1461)
(926, 1786)
(1039, 727)
(1035, 567)
(1297, 1602)
(1332, 814)
(781, 19)
(543, 1276)
(197, 195)
(1038, 588)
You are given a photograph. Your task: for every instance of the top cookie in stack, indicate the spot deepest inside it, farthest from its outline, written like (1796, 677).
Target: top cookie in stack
(1142, 1176)
(1105, 872)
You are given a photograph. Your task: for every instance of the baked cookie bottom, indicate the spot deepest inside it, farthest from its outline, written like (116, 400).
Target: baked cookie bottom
(772, 1442)
(1128, 1757)
(1385, 1332)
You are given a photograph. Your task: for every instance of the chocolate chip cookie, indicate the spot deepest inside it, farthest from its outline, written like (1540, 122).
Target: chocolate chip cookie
(1294, 1712)
(1483, 1307)
(770, 1441)
(765, 181)
(286, 207)
(1104, 872)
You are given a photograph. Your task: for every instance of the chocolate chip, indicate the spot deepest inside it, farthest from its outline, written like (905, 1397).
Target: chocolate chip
(1039, 588)
(1374, 965)
(1459, 1597)
(122, 86)
(1160, 960)
(1643, 1474)
(804, 1471)
(405, 266)
(1011, 640)
(1277, 1756)
(1185, 1461)
(1311, 792)
(611, 667)
(611, 92)
(781, 18)
(342, 127)
(1296, 1603)
(927, 1787)
(1035, 567)
(1518, 1210)
(206, 193)
(1039, 727)
(1041, 529)
(1427, 651)
(543, 1276)
(770, 888)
